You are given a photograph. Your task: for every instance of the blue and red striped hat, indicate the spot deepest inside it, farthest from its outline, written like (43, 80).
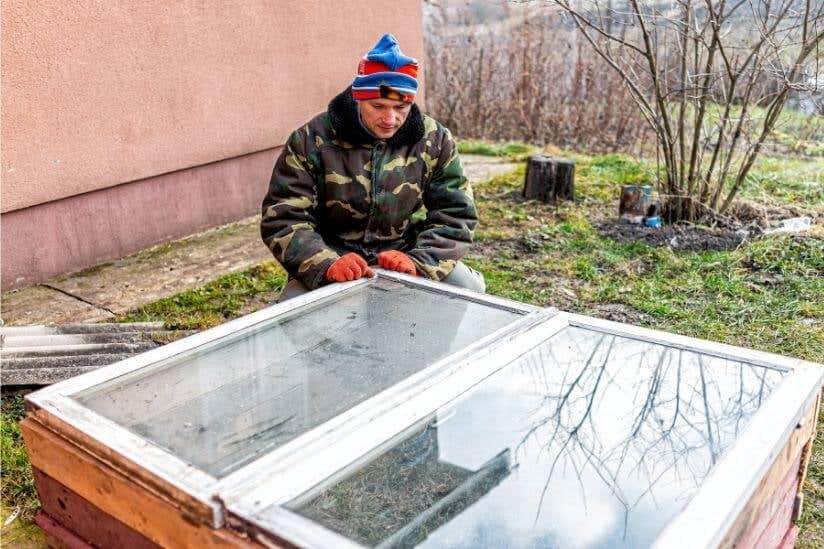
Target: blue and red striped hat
(384, 69)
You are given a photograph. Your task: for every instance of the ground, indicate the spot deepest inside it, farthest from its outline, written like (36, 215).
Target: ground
(764, 292)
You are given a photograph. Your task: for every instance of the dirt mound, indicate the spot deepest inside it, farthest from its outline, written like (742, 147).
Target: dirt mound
(618, 312)
(749, 214)
(677, 237)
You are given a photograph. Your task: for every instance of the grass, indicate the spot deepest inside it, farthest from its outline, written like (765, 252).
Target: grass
(791, 168)
(401, 484)
(227, 297)
(514, 150)
(786, 180)
(795, 132)
(768, 294)
(812, 519)
(18, 493)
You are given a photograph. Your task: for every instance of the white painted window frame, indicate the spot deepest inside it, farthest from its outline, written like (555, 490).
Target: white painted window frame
(170, 475)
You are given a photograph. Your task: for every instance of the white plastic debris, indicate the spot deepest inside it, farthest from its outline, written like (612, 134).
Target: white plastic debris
(12, 517)
(793, 225)
(631, 219)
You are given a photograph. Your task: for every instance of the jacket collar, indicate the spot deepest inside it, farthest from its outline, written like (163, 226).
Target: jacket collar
(343, 115)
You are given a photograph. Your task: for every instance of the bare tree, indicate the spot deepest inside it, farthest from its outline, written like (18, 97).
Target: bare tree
(526, 75)
(680, 413)
(710, 77)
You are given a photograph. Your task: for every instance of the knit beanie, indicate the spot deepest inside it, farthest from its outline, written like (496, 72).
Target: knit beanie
(386, 72)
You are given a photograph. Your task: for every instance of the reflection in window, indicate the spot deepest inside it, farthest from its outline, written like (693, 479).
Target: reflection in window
(404, 493)
(605, 439)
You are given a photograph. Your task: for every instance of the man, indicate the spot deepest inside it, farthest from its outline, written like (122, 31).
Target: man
(348, 188)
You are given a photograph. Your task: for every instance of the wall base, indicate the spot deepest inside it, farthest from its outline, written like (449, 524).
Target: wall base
(47, 240)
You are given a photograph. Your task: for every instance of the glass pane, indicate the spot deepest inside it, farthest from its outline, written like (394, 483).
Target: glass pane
(589, 440)
(222, 405)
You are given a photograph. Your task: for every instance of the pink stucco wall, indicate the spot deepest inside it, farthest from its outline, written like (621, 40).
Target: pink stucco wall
(117, 117)
(96, 94)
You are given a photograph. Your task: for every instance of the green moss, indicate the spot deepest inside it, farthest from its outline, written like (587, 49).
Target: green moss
(215, 302)
(18, 492)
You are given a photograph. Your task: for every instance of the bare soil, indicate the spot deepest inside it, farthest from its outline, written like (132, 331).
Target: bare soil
(618, 312)
(677, 237)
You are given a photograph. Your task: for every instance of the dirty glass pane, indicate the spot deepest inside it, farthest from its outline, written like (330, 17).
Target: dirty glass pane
(589, 440)
(220, 406)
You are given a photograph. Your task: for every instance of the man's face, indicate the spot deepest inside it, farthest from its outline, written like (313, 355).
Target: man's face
(384, 117)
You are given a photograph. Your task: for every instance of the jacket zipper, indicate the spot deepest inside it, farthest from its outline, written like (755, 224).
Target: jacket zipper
(374, 158)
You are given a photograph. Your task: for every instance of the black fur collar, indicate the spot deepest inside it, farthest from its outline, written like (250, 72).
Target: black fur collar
(343, 115)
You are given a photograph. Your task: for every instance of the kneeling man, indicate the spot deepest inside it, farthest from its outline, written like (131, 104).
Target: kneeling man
(371, 181)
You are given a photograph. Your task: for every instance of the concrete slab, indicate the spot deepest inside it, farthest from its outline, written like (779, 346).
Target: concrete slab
(39, 305)
(168, 269)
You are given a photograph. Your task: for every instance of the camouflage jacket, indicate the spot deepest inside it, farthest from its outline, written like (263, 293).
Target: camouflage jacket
(337, 189)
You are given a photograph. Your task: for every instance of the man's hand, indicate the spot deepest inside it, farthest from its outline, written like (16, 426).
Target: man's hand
(349, 267)
(397, 261)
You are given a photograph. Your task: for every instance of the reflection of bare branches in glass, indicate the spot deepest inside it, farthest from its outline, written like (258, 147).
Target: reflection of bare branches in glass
(639, 417)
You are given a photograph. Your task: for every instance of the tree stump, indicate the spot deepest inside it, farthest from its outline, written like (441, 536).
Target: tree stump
(549, 179)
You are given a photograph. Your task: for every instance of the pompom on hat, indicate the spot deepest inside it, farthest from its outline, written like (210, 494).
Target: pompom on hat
(386, 72)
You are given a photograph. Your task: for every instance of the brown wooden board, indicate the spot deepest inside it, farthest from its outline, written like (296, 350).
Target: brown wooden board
(790, 538)
(81, 519)
(806, 454)
(780, 524)
(58, 536)
(156, 518)
(195, 509)
(773, 519)
(787, 461)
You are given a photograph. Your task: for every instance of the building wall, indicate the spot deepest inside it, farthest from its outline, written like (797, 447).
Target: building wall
(99, 96)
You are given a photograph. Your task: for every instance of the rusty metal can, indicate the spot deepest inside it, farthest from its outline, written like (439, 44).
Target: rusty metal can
(635, 201)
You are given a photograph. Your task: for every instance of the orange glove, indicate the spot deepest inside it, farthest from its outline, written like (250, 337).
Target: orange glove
(397, 261)
(349, 267)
